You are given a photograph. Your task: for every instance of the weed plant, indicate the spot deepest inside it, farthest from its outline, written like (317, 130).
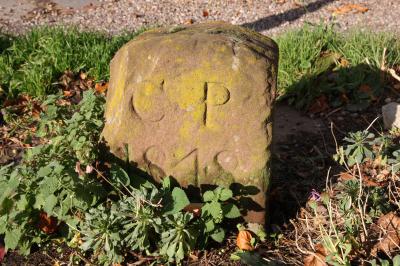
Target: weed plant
(349, 220)
(56, 191)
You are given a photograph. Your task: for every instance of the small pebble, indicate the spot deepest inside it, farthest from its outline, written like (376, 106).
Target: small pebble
(388, 100)
(340, 118)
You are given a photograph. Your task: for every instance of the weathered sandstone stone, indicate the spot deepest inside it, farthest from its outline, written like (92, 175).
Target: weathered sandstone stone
(195, 103)
(391, 115)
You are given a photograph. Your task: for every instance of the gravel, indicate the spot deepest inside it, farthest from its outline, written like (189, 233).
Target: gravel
(266, 16)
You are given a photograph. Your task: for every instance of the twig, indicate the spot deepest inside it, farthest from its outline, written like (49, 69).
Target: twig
(393, 73)
(333, 111)
(327, 186)
(297, 240)
(373, 121)
(108, 181)
(359, 201)
(334, 138)
(308, 235)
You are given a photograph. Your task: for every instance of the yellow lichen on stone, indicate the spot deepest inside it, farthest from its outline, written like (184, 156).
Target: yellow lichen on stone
(201, 96)
(143, 100)
(179, 153)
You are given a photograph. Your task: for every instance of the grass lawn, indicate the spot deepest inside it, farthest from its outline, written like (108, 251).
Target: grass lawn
(68, 198)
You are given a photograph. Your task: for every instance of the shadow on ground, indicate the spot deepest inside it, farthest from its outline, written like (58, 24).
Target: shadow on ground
(5, 42)
(287, 16)
(303, 147)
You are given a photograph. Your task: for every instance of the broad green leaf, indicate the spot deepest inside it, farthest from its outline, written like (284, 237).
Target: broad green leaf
(50, 203)
(44, 171)
(208, 196)
(225, 194)
(3, 224)
(22, 203)
(171, 249)
(216, 210)
(12, 238)
(40, 200)
(12, 184)
(180, 253)
(209, 225)
(396, 260)
(218, 235)
(176, 202)
(385, 263)
(230, 210)
(49, 185)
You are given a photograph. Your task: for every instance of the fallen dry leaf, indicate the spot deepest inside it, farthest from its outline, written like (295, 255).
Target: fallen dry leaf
(349, 8)
(318, 258)
(389, 228)
(101, 87)
(68, 93)
(205, 13)
(243, 240)
(320, 104)
(368, 182)
(189, 21)
(344, 176)
(48, 224)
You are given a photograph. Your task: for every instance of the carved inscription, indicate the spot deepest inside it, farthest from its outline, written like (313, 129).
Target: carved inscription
(214, 94)
(155, 159)
(149, 101)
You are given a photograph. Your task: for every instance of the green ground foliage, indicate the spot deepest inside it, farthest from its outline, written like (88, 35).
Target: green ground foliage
(56, 191)
(31, 63)
(355, 218)
(65, 188)
(346, 68)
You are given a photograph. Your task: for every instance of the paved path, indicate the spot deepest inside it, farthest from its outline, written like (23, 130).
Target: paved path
(267, 16)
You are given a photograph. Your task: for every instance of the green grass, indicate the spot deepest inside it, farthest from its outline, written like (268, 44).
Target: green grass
(32, 63)
(309, 53)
